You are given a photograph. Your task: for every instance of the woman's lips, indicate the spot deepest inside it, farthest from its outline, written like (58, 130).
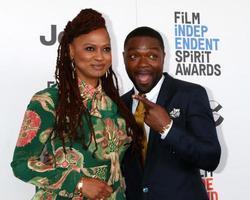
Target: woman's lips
(98, 66)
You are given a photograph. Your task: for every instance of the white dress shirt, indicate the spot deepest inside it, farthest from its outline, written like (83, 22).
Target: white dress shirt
(151, 96)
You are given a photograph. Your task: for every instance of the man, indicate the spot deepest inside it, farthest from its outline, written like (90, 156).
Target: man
(179, 124)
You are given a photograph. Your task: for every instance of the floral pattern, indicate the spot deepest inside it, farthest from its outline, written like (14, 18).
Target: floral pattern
(96, 98)
(111, 136)
(45, 135)
(44, 195)
(45, 100)
(30, 126)
(72, 159)
(56, 171)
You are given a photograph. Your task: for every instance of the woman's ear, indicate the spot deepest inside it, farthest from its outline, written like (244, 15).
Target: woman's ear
(71, 51)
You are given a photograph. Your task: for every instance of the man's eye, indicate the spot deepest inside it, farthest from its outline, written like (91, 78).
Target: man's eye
(107, 49)
(153, 56)
(90, 48)
(132, 57)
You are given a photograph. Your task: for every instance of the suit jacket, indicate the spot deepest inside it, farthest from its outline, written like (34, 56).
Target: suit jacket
(172, 167)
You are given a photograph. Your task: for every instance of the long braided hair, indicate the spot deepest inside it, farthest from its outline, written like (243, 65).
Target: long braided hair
(70, 106)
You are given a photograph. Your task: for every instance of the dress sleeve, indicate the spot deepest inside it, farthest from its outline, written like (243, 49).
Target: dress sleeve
(28, 165)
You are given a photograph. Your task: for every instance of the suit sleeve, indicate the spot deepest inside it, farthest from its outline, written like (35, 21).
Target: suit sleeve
(196, 142)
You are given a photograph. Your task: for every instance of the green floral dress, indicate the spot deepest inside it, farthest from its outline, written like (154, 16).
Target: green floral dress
(58, 178)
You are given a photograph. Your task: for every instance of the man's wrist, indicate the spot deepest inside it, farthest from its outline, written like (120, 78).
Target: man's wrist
(167, 127)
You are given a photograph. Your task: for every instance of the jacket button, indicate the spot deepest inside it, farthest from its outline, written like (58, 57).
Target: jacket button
(145, 189)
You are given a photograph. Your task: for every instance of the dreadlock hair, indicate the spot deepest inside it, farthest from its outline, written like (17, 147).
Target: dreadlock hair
(70, 108)
(145, 31)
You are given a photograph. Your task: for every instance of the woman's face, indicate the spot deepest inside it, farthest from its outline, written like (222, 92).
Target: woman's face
(92, 55)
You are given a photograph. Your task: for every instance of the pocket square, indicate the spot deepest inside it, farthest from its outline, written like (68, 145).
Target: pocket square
(175, 113)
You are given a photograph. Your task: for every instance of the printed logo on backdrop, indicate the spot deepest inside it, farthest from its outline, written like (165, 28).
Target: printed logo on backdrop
(50, 83)
(216, 107)
(193, 48)
(208, 177)
(51, 37)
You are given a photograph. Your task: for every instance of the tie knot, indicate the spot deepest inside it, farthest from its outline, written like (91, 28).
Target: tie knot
(142, 94)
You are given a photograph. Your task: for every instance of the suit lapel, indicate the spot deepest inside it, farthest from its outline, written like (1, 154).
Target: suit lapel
(127, 99)
(166, 91)
(165, 94)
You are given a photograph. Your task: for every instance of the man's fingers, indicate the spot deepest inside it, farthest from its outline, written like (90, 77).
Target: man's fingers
(146, 102)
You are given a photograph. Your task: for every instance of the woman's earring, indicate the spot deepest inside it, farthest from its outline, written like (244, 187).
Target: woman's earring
(107, 73)
(73, 68)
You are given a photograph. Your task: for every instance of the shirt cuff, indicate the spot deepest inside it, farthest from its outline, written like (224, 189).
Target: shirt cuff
(164, 134)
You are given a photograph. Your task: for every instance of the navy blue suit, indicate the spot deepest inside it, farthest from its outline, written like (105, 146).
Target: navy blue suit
(172, 167)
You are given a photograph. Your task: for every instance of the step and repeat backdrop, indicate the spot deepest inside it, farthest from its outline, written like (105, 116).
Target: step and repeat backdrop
(206, 43)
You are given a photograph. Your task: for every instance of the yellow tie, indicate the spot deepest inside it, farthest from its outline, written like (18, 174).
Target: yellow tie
(139, 117)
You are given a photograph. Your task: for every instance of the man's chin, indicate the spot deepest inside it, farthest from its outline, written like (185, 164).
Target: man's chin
(143, 88)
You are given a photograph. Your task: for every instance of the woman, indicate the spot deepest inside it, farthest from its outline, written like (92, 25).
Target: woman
(75, 133)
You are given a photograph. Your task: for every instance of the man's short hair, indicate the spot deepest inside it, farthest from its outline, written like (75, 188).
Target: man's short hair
(145, 31)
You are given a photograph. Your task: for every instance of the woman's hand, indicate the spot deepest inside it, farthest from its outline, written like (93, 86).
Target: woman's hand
(96, 189)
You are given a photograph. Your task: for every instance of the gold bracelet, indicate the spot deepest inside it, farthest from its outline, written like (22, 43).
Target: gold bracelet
(79, 187)
(167, 126)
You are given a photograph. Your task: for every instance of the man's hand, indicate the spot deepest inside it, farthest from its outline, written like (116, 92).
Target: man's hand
(156, 117)
(96, 189)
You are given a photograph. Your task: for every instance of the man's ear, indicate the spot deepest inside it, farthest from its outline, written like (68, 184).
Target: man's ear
(164, 55)
(123, 53)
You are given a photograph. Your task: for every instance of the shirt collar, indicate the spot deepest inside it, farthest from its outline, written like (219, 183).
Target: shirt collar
(93, 98)
(87, 90)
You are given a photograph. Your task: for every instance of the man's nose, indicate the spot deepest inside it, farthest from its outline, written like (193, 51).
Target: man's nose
(143, 61)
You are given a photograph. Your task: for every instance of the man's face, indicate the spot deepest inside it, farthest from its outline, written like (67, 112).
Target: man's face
(144, 59)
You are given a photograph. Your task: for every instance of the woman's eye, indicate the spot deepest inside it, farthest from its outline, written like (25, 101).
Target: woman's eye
(107, 49)
(90, 48)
